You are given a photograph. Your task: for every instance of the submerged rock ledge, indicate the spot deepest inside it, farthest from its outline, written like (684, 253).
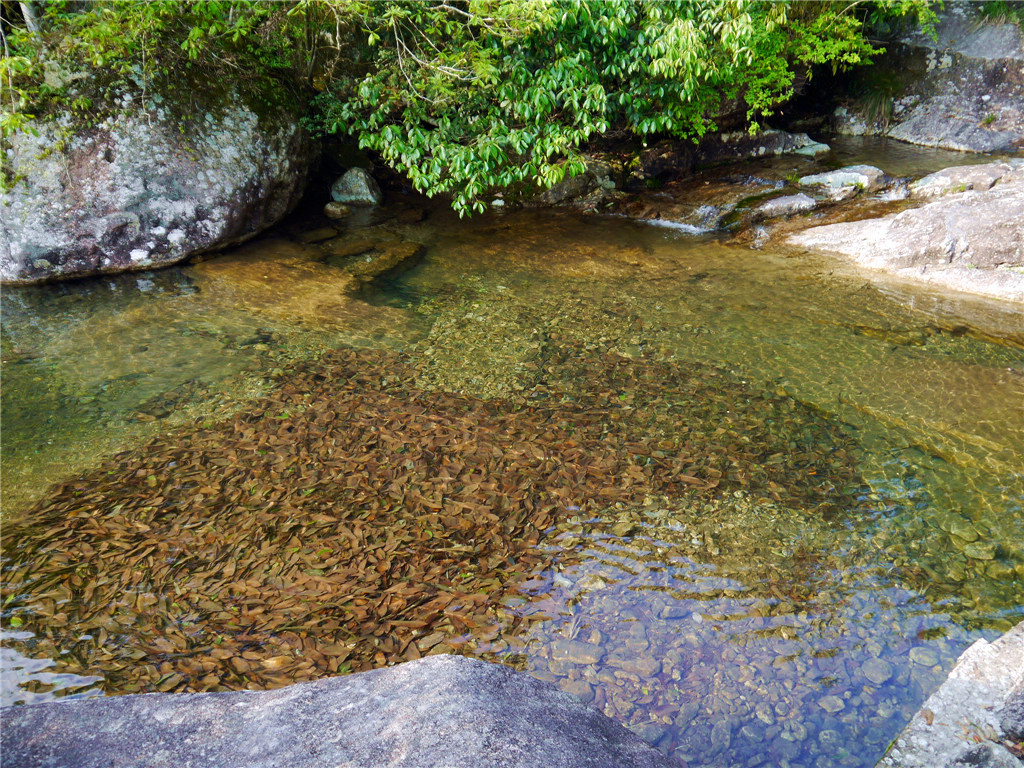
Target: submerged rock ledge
(439, 711)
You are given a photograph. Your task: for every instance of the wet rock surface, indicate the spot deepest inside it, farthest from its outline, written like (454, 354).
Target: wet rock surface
(787, 205)
(959, 725)
(443, 711)
(970, 241)
(146, 189)
(963, 90)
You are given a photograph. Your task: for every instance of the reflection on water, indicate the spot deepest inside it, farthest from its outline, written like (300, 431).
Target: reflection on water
(25, 680)
(738, 631)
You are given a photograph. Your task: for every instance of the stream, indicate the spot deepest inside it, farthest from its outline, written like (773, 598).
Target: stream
(790, 603)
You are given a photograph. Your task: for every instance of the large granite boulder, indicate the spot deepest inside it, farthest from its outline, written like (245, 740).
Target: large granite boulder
(439, 711)
(971, 241)
(956, 725)
(150, 186)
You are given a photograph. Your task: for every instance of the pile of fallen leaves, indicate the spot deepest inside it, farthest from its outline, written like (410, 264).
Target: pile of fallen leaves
(352, 520)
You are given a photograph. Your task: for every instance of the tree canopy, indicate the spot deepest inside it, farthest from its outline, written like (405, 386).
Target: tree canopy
(464, 97)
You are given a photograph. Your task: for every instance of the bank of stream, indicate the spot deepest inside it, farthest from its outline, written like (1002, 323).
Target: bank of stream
(739, 500)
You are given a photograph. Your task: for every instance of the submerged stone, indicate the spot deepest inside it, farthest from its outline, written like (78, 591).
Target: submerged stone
(980, 550)
(576, 652)
(924, 656)
(876, 671)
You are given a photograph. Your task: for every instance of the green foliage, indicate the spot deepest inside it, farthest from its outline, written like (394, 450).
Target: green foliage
(1003, 11)
(471, 98)
(465, 97)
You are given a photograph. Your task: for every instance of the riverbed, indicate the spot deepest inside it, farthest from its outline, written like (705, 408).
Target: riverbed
(797, 494)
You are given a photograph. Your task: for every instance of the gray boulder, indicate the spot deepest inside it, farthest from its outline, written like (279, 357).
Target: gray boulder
(1011, 716)
(148, 187)
(962, 712)
(987, 755)
(972, 241)
(582, 190)
(846, 182)
(785, 206)
(960, 179)
(439, 711)
(356, 187)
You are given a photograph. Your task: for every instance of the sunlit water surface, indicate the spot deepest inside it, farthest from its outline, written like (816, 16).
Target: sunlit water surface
(738, 632)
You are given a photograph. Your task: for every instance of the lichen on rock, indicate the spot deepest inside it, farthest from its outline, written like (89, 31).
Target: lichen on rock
(146, 187)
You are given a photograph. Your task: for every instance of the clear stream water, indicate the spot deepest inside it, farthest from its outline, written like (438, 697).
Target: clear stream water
(738, 632)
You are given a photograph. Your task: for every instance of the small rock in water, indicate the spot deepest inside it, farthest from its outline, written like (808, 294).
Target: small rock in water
(576, 652)
(813, 149)
(876, 671)
(854, 177)
(924, 656)
(641, 666)
(785, 206)
(980, 550)
(832, 704)
(578, 688)
(335, 210)
(317, 235)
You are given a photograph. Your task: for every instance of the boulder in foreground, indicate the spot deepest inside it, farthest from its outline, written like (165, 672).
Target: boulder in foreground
(439, 711)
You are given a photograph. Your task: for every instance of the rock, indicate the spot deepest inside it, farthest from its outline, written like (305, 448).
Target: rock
(813, 149)
(876, 671)
(342, 249)
(642, 666)
(576, 652)
(964, 708)
(962, 89)
(972, 242)
(439, 711)
(847, 123)
(984, 756)
(742, 145)
(651, 732)
(924, 656)
(335, 210)
(317, 235)
(581, 689)
(832, 704)
(859, 178)
(959, 179)
(146, 188)
(384, 259)
(785, 206)
(356, 187)
(1011, 716)
(584, 189)
(980, 550)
